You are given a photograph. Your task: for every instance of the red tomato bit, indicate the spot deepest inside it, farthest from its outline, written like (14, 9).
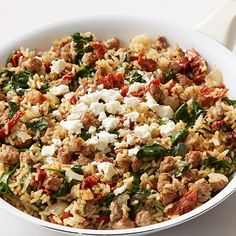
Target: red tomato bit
(147, 64)
(89, 182)
(112, 80)
(15, 58)
(216, 125)
(100, 49)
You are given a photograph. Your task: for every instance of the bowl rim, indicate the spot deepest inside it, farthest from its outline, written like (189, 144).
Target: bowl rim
(221, 196)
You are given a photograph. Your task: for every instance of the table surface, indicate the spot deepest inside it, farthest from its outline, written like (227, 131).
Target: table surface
(18, 17)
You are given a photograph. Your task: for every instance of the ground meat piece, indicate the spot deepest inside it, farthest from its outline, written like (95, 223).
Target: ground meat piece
(116, 212)
(33, 64)
(101, 157)
(123, 223)
(88, 59)
(163, 178)
(76, 145)
(174, 65)
(89, 119)
(124, 164)
(113, 43)
(161, 43)
(88, 150)
(194, 158)
(35, 97)
(136, 165)
(156, 93)
(191, 175)
(143, 218)
(167, 164)
(2, 97)
(64, 155)
(9, 155)
(168, 194)
(184, 80)
(20, 144)
(203, 190)
(83, 161)
(53, 182)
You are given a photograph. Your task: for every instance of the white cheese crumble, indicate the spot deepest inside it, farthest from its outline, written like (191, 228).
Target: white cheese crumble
(133, 151)
(58, 66)
(59, 90)
(131, 102)
(73, 126)
(48, 150)
(92, 129)
(107, 168)
(135, 87)
(96, 108)
(113, 107)
(143, 132)
(79, 108)
(91, 97)
(133, 116)
(102, 140)
(102, 116)
(214, 78)
(56, 141)
(167, 129)
(120, 190)
(110, 95)
(110, 123)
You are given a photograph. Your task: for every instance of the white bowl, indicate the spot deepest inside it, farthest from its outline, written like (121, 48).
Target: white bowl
(126, 27)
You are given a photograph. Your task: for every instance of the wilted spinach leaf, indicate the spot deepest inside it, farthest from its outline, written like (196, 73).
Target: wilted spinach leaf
(106, 201)
(179, 136)
(155, 151)
(37, 125)
(182, 169)
(212, 162)
(169, 76)
(77, 169)
(230, 102)
(179, 149)
(12, 108)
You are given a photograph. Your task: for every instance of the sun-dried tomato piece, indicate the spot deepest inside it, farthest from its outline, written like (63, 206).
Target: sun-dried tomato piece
(89, 182)
(124, 90)
(111, 80)
(216, 125)
(147, 64)
(100, 49)
(15, 58)
(213, 94)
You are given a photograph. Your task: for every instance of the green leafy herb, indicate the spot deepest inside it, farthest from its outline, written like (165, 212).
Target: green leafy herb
(85, 135)
(182, 169)
(134, 209)
(64, 189)
(44, 88)
(230, 102)
(154, 151)
(73, 85)
(12, 108)
(212, 162)
(183, 114)
(106, 201)
(81, 45)
(136, 76)
(77, 169)
(37, 125)
(169, 76)
(180, 149)
(38, 203)
(19, 82)
(179, 136)
(22, 149)
(4, 188)
(85, 72)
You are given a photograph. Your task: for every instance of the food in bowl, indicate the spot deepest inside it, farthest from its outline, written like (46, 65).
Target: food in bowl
(95, 135)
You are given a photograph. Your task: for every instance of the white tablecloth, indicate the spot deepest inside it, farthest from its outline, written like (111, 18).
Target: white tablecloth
(18, 16)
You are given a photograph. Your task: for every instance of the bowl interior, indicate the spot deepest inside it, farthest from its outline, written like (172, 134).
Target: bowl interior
(126, 27)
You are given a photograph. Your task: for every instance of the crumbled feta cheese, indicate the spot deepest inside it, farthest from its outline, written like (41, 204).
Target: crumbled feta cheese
(120, 190)
(110, 95)
(48, 150)
(73, 116)
(110, 123)
(135, 87)
(130, 139)
(56, 113)
(123, 132)
(50, 160)
(58, 66)
(91, 97)
(79, 108)
(126, 123)
(167, 129)
(131, 102)
(56, 141)
(113, 107)
(73, 126)
(215, 177)
(96, 108)
(107, 168)
(59, 90)
(102, 140)
(102, 116)
(133, 116)
(133, 151)
(92, 129)
(143, 132)
(100, 86)
(160, 110)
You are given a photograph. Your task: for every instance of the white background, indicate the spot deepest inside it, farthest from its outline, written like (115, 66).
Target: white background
(19, 16)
